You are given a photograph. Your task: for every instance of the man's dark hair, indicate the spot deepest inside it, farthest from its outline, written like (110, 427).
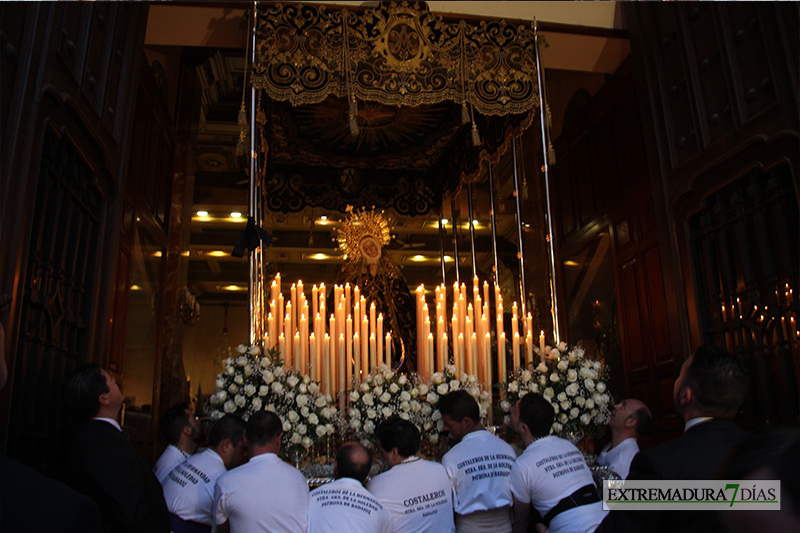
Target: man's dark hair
(82, 389)
(263, 427)
(353, 461)
(643, 419)
(173, 421)
(397, 433)
(536, 413)
(228, 427)
(459, 405)
(718, 380)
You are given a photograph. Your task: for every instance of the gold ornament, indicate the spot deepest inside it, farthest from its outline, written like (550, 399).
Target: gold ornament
(361, 224)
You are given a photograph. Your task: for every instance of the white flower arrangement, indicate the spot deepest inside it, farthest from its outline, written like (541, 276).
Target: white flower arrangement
(574, 386)
(249, 383)
(444, 383)
(381, 395)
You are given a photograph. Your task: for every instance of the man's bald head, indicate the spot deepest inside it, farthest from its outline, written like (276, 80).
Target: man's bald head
(631, 414)
(353, 461)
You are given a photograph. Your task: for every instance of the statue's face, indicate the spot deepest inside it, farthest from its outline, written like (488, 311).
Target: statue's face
(370, 249)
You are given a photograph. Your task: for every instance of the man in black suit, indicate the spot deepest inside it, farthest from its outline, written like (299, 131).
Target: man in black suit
(103, 464)
(708, 393)
(34, 503)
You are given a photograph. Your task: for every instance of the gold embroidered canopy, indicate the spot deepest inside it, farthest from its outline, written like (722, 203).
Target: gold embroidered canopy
(399, 54)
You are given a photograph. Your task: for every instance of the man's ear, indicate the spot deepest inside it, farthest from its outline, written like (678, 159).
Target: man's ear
(104, 399)
(685, 396)
(630, 422)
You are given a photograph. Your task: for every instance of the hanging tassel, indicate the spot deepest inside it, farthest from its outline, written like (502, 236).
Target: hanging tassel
(476, 138)
(353, 116)
(548, 117)
(524, 188)
(464, 113)
(551, 154)
(242, 144)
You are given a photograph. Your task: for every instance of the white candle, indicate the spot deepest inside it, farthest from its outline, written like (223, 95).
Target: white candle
(342, 387)
(358, 356)
(379, 336)
(461, 352)
(296, 351)
(365, 341)
(501, 355)
(429, 357)
(528, 349)
(487, 361)
(326, 379)
(541, 346)
(515, 348)
(474, 351)
(389, 350)
(282, 346)
(314, 300)
(349, 343)
(313, 358)
(372, 351)
(443, 356)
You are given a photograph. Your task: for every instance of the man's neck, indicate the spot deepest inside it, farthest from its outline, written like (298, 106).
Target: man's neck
(187, 445)
(617, 436)
(255, 451)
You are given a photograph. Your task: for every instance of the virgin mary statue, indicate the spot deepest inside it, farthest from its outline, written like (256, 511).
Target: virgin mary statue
(362, 238)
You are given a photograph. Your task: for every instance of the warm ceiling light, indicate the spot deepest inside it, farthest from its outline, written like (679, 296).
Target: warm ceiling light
(236, 214)
(419, 258)
(323, 217)
(445, 221)
(135, 288)
(474, 222)
(571, 263)
(232, 288)
(185, 253)
(157, 253)
(448, 258)
(216, 253)
(202, 213)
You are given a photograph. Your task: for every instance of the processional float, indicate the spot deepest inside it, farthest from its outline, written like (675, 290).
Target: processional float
(398, 54)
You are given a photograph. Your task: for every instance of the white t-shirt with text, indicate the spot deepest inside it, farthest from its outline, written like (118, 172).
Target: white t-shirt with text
(263, 495)
(619, 458)
(345, 506)
(418, 495)
(548, 471)
(479, 467)
(171, 457)
(189, 487)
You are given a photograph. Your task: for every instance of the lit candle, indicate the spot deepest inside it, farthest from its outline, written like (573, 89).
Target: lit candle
(372, 360)
(501, 355)
(349, 342)
(314, 300)
(474, 351)
(487, 361)
(461, 352)
(379, 336)
(342, 386)
(529, 348)
(296, 351)
(334, 333)
(443, 356)
(347, 300)
(365, 341)
(326, 378)
(356, 360)
(271, 332)
(313, 358)
(293, 301)
(541, 345)
(287, 332)
(282, 346)
(429, 357)
(357, 314)
(515, 348)
(486, 291)
(389, 349)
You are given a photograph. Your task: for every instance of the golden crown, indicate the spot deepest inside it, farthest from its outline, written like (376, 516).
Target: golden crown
(360, 224)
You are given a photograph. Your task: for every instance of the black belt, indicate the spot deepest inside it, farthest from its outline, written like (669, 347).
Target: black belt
(583, 496)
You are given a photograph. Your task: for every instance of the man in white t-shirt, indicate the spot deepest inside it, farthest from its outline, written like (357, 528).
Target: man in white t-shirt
(417, 493)
(265, 494)
(478, 467)
(630, 420)
(182, 431)
(344, 505)
(551, 474)
(189, 487)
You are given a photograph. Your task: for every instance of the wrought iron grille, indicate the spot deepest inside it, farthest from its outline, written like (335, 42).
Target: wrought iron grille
(745, 247)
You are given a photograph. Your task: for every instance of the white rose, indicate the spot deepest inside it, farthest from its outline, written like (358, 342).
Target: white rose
(301, 400)
(320, 431)
(277, 387)
(254, 350)
(442, 389)
(305, 412)
(589, 384)
(593, 374)
(423, 389)
(585, 419)
(404, 416)
(241, 361)
(278, 371)
(562, 346)
(292, 416)
(436, 416)
(474, 391)
(433, 437)
(355, 423)
(563, 365)
(601, 387)
(214, 399)
(565, 405)
(426, 409)
(378, 379)
(589, 403)
(405, 406)
(222, 395)
(263, 390)
(542, 368)
(455, 384)
(513, 387)
(313, 419)
(307, 442)
(329, 429)
(250, 389)
(557, 427)
(440, 425)
(563, 418)
(402, 380)
(526, 375)
(543, 379)
(368, 399)
(354, 396)
(554, 353)
(549, 393)
(229, 370)
(268, 376)
(415, 406)
(561, 396)
(432, 398)
(220, 383)
(297, 438)
(320, 401)
(233, 388)
(354, 413)
(257, 404)
(556, 408)
(248, 370)
(554, 378)
(229, 406)
(377, 391)
(574, 412)
(572, 389)
(597, 365)
(364, 387)
(302, 429)
(313, 388)
(372, 413)
(405, 396)
(265, 362)
(385, 397)
(292, 381)
(572, 375)
(393, 388)
(583, 372)
(369, 426)
(505, 405)
(580, 400)
(242, 349)
(438, 378)
(387, 412)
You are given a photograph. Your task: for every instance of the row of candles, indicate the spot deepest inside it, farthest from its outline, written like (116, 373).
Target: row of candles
(339, 346)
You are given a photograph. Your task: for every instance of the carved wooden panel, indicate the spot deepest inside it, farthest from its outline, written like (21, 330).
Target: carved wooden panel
(631, 307)
(118, 58)
(97, 53)
(71, 37)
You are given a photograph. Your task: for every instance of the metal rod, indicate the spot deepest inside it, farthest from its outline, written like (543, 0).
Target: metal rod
(495, 269)
(441, 248)
(252, 285)
(472, 231)
(521, 253)
(546, 166)
(455, 237)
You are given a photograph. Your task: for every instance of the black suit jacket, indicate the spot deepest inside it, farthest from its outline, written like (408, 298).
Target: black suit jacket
(697, 454)
(33, 503)
(106, 467)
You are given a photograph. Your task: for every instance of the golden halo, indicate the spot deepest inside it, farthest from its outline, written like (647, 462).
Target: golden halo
(361, 224)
